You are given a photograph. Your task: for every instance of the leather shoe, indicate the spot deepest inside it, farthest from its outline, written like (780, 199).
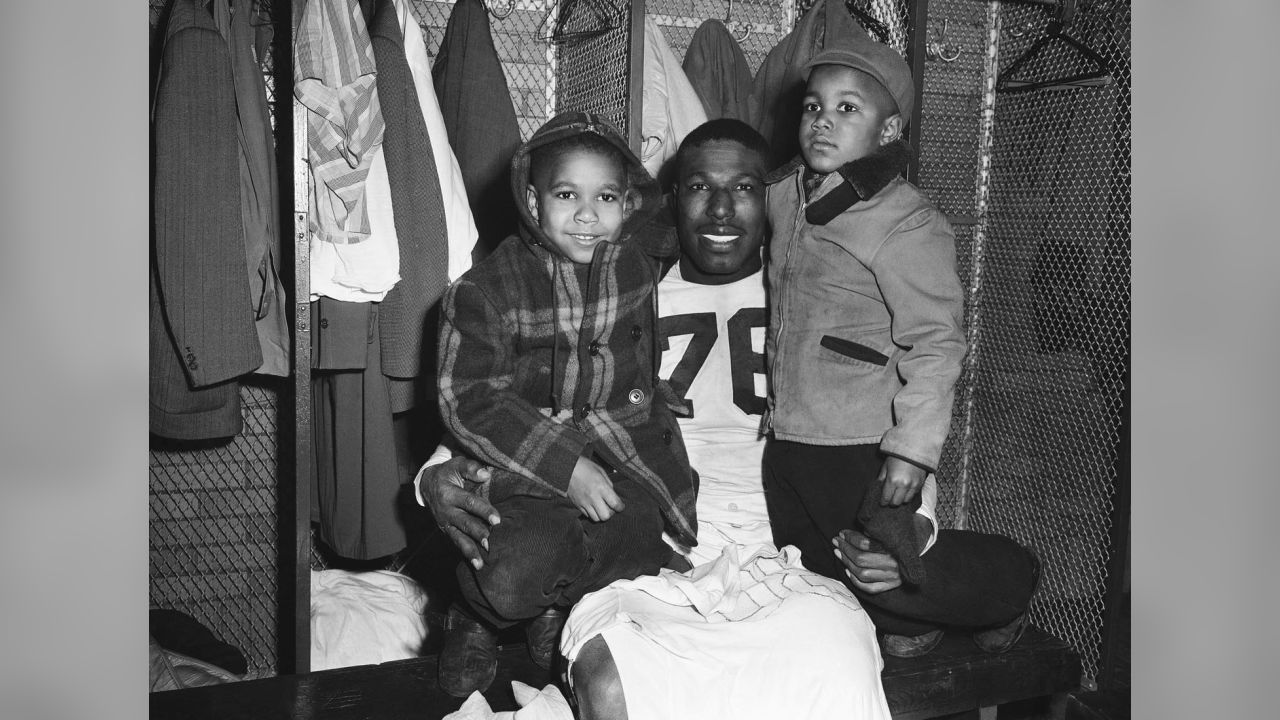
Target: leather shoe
(469, 657)
(909, 646)
(1001, 639)
(543, 636)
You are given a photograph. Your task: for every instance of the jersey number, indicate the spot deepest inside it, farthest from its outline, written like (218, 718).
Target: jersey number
(744, 363)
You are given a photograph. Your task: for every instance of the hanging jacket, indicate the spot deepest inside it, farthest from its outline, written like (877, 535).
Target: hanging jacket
(417, 204)
(341, 85)
(334, 78)
(719, 73)
(527, 329)
(202, 320)
(470, 84)
(670, 107)
(778, 89)
(258, 183)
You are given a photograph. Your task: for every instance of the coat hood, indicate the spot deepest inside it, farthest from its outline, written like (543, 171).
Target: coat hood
(642, 189)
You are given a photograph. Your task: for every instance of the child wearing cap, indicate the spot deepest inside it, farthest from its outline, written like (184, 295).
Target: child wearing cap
(547, 374)
(865, 338)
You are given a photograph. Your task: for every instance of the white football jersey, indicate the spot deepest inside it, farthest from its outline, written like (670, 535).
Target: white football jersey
(712, 338)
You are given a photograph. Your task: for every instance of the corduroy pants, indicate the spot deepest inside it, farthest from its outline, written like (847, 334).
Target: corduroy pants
(545, 553)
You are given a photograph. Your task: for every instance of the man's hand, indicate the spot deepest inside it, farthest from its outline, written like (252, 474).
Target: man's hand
(449, 490)
(868, 566)
(591, 491)
(902, 480)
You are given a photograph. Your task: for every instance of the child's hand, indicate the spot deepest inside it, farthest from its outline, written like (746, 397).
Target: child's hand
(591, 491)
(902, 480)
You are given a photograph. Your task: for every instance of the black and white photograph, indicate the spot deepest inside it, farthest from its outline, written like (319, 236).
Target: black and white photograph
(811, 319)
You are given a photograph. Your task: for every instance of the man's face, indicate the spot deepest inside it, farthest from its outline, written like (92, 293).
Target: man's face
(720, 208)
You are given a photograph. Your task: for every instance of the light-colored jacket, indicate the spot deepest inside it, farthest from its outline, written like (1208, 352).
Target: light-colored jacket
(866, 336)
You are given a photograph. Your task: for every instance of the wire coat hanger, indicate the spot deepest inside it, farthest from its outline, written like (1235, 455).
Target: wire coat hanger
(601, 17)
(1099, 75)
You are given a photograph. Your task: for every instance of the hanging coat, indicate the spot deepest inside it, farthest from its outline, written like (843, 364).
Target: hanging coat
(719, 72)
(202, 321)
(470, 84)
(258, 184)
(670, 106)
(408, 327)
(418, 208)
(334, 78)
(780, 81)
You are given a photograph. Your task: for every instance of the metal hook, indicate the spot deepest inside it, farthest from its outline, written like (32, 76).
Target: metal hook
(728, 21)
(1018, 31)
(937, 49)
(511, 6)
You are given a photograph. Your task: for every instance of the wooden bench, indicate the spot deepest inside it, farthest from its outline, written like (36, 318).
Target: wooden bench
(955, 677)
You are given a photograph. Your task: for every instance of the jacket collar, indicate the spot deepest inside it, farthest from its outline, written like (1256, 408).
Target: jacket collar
(862, 179)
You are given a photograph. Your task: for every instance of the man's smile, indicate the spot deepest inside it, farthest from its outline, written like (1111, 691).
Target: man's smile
(720, 241)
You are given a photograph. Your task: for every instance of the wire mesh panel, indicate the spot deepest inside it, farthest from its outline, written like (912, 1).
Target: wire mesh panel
(213, 510)
(951, 106)
(1051, 327)
(593, 57)
(213, 530)
(949, 148)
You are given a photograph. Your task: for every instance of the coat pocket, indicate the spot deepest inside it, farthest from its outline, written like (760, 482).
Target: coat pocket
(854, 350)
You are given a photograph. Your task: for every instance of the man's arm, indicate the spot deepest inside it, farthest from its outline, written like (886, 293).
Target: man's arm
(868, 566)
(928, 511)
(451, 489)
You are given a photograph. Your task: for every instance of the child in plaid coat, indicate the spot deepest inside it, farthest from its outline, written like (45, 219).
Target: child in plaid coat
(547, 373)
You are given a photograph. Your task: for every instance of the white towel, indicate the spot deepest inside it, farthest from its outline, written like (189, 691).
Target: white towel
(548, 704)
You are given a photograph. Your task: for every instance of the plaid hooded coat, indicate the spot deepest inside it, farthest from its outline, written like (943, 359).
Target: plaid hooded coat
(543, 361)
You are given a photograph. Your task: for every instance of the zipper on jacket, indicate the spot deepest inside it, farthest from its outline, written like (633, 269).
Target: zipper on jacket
(787, 270)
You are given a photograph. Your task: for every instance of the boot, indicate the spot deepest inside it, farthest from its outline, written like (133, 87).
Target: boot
(469, 658)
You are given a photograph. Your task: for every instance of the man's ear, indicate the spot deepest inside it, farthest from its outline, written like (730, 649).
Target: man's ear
(531, 200)
(891, 129)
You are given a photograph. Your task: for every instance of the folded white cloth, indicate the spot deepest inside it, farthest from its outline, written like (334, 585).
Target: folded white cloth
(365, 618)
(548, 704)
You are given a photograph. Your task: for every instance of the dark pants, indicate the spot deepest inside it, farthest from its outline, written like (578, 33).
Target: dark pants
(973, 580)
(545, 553)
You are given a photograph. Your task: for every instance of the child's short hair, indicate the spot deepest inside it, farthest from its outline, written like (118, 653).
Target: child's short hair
(544, 157)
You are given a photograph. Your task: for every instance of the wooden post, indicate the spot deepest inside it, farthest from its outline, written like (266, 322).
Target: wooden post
(295, 536)
(635, 79)
(917, 34)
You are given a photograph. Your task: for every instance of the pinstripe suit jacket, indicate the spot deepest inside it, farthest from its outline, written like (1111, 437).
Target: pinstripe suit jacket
(202, 328)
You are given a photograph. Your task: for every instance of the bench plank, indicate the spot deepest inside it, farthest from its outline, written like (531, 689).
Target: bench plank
(955, 677)
(958, 676)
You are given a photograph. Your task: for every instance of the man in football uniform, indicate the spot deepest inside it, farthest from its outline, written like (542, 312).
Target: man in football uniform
(748, 632)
